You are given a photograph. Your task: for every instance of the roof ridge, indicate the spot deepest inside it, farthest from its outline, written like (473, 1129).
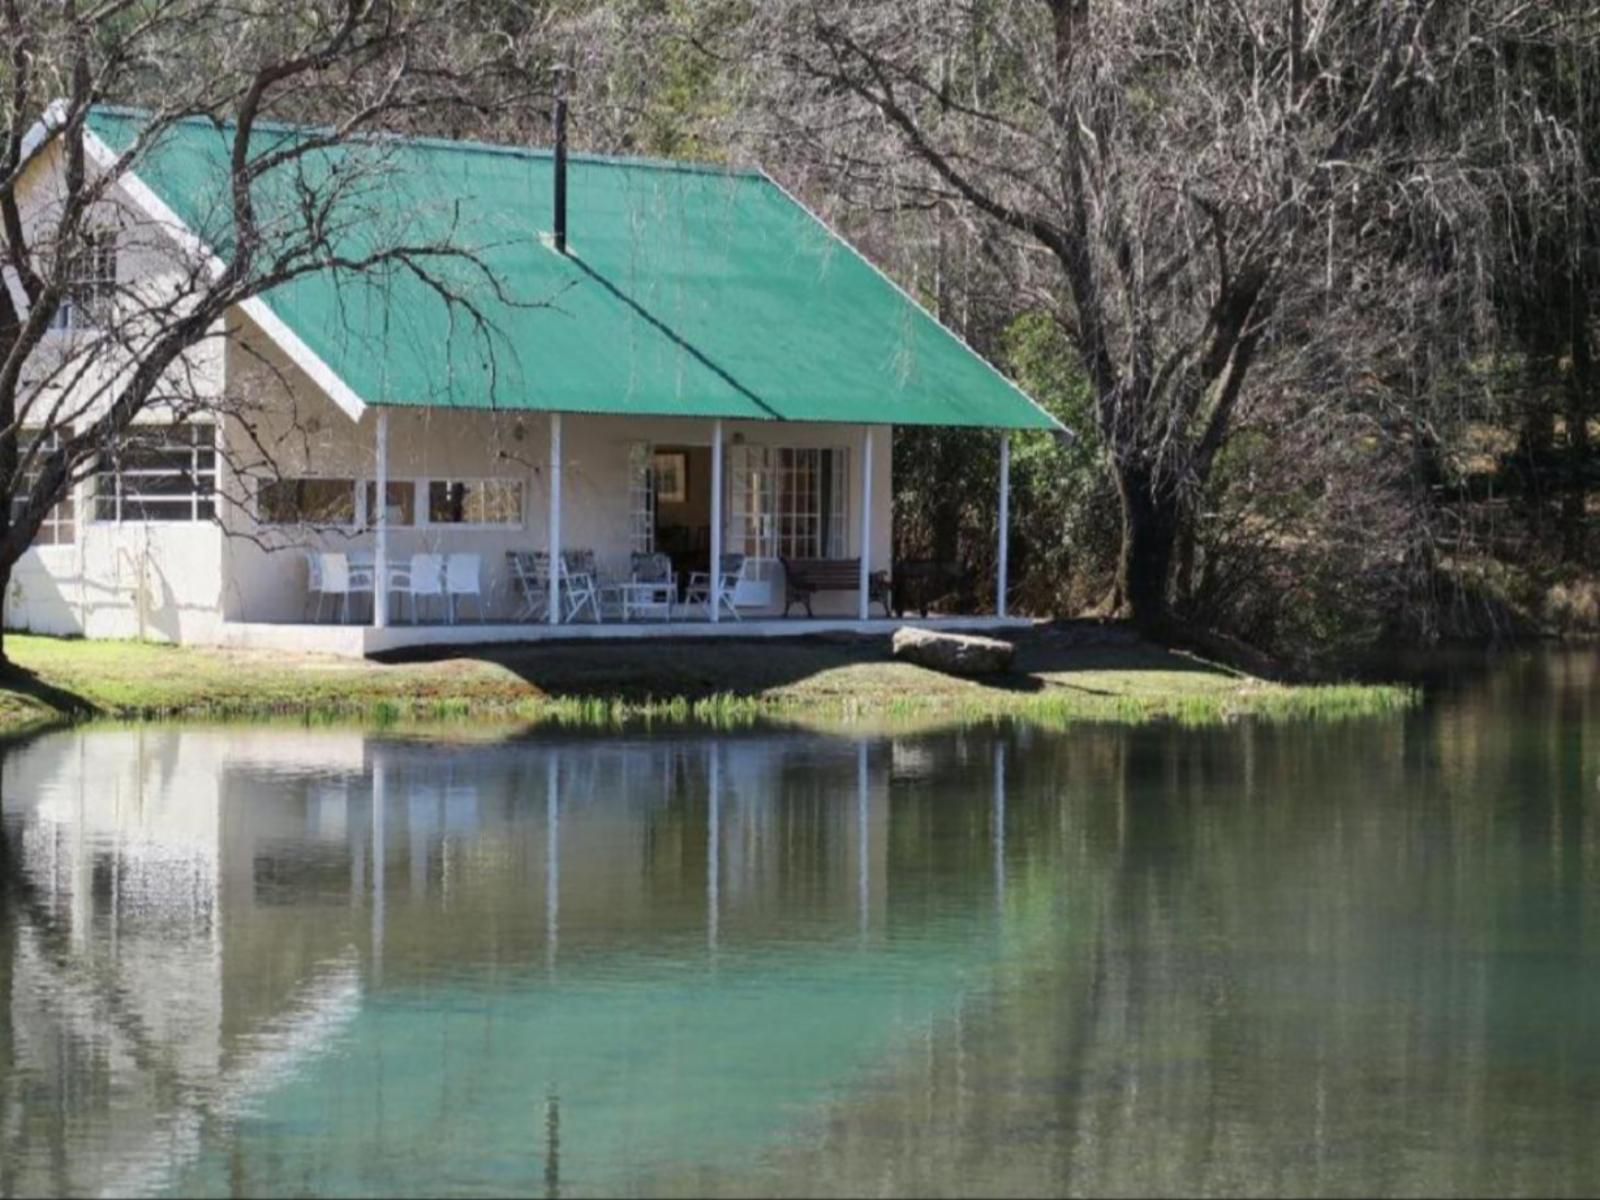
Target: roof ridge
(470, 145)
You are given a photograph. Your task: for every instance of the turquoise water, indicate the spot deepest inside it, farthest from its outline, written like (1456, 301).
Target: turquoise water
(1316, 959)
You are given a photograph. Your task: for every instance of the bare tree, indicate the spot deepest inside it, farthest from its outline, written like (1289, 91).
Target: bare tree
(1185, 185)
(84, 350)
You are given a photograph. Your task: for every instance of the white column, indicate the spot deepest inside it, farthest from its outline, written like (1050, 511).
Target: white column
(554, 616)
(379, 856)
(863, 841)
(1005, 524)
(1000, 827)
(716, 519)
(552, 858)
(714, 849)
(866, 521)
(380, 557)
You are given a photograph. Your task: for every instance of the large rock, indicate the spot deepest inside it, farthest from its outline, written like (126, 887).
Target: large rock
(955, 653)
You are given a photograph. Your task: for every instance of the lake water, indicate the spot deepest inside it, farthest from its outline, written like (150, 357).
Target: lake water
(1310, 959)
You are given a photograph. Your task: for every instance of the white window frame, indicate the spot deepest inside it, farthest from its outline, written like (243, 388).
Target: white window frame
(790, 531)
(358, 495)
(196, 498)
(423, 500)
(366, 522)
(90, 294)
(421, 487)
(54, 520)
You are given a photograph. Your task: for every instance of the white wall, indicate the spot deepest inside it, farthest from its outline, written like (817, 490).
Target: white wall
(131, 580)
(158, 582)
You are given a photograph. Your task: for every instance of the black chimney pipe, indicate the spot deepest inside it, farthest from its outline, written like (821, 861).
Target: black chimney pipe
(560, 229)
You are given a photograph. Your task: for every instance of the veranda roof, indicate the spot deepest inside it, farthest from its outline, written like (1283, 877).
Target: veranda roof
(689, 291)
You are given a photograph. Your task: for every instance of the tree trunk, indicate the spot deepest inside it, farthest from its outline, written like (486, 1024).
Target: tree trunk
(5, 591)
(8, 954)
(1150, 522)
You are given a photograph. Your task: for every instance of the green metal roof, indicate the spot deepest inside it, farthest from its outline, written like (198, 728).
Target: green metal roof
(690, 291)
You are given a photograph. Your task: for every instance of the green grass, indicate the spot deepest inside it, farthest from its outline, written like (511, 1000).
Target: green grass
(1062, 676)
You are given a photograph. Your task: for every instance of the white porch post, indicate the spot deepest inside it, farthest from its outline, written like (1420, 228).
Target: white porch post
(866, 521)
(716, 520)
(380, 801)
(380, 557)
(1005, 524)
(552, 858)
(554, 615)
(714, 849)
(863, 841)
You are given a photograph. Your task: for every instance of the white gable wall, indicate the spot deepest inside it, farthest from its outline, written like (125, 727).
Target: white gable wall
(157, 581)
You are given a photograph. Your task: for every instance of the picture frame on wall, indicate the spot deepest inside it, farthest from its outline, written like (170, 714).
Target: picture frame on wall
(672, 477)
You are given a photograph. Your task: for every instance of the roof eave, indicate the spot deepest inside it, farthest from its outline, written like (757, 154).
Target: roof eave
(1053, 422)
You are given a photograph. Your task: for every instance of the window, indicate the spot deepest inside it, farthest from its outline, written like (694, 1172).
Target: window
(809, 501)
(307, 502)
(402, 497)
(474, 502)
(91, 283)
(159, 473)
(60, 526)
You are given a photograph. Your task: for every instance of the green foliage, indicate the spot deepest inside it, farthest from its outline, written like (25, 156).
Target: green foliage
(681, 89)
(1065, 507)
(1064, 517)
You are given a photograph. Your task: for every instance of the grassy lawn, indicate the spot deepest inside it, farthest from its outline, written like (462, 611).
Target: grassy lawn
(1062, 674)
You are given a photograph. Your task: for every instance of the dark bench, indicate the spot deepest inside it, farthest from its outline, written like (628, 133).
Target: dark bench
(805, 577)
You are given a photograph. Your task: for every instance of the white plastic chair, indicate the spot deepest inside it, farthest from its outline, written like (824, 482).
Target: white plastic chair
(427, 579)
(400, 582)
(313, 602)
(340, 580)
(461, 578)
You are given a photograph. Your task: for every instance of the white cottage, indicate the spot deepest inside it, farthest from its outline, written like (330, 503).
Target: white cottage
(682, 367)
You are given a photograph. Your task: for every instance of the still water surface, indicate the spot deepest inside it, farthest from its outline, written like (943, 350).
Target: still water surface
(1332, 959)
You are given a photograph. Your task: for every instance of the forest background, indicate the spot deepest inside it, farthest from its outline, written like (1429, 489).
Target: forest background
(1311, 281)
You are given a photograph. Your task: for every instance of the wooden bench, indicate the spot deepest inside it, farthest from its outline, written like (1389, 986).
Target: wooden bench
(805, 577)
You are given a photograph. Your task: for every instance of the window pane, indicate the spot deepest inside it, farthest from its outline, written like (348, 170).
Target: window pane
(175, 483)
(308, 501)
(139, 509)
(474, 502)
(402, 496)
(502, 502)
(163, 473)
(447, 502)
(59, 528)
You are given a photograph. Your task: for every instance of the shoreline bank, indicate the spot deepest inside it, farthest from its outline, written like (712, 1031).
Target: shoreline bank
(1062, 675)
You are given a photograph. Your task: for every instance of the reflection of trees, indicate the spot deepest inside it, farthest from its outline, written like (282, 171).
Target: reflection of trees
(1301, 958)
(10, 1102)
(1328, 958)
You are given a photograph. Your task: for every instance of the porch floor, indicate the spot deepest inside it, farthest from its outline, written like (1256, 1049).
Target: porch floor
(359, 641)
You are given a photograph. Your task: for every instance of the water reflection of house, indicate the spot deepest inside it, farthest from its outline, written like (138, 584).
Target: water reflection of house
(212, 900)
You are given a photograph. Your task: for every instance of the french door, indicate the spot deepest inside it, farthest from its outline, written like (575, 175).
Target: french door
(752, 523)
